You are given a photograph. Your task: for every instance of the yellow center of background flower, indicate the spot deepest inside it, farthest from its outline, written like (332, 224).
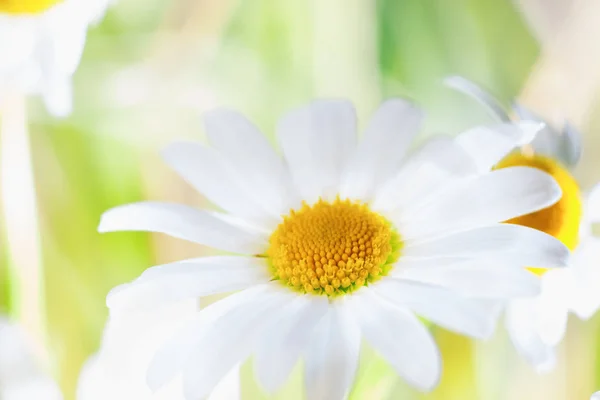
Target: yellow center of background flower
(332, 248)
(560, 220)
(26, 6)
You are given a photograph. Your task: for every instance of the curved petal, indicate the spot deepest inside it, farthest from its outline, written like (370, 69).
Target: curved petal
(520, 324)
(486, 199)
(552, 306)
(229, 340)
(489, 145)
(441, 306)
(501, 243)
(188, 279)
(182, 222)
(278, 352)
(251, 155)
(439, 161)
(172, 356)
(212, 175)
(381, 150)
(332, 355)
(317, 141)
(399, 337)
(477, 280)
(474, 91)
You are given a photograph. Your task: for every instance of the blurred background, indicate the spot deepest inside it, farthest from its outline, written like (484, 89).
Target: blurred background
(153, 66)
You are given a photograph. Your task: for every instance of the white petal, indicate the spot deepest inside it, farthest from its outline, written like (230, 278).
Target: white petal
(592, 208)
(501, 243)
(249, 152)
(384, 145)
(332, 355)
(520, 324)
(494, 197)
(214, 176)
(188, 279)
(474, 91)
(182, 222)
(552, 306)
(585, 271)
(434, 165)
(278, 352)
(399, 337)
(230, 340)
(488, 145)
(57, 93)
(478, 280)
(595, 396)
(171, 357)
(317, 141)
(441, 306)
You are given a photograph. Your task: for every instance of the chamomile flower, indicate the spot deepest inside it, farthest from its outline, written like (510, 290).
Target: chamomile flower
(329, 240)
(41, 42)
(20, 376)
(536, 325)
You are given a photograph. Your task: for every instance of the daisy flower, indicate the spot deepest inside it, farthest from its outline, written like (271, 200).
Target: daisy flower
(41, 42)
(536, 325)
(329, 239)
(20, 376)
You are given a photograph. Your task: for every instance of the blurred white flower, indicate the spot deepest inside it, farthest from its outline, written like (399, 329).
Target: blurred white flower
(537, 325)
(595, 396)
(336, 237)
(130, 341)
(20, 376)
(41, 43)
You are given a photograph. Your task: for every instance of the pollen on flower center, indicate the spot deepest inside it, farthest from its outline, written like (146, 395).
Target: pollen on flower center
(560, 220)
(26, 6)
(332, 248)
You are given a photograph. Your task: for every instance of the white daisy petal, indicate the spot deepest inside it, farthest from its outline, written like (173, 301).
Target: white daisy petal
(441, 306)
(494, 197)
(593, 205)
(521, 327)
(187, 279)
(488, 145)
(58, 95)
(249, 152)
(214, 176)
(229, 340)
(182, 222)
(552, 309)
(332, 356)
(399, 337)
(317, 141)
(43, 47)
(473, 90)
(478, 280)
(171, 357)
(435, 164)
(278, 352)
(585, 296)
(378, 155)
(503, 243)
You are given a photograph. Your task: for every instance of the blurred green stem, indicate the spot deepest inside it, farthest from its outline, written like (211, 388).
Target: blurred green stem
(20, 218)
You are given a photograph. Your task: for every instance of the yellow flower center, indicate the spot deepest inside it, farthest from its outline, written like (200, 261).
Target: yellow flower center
(26, 6)
(560, 220)
(332, 248)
